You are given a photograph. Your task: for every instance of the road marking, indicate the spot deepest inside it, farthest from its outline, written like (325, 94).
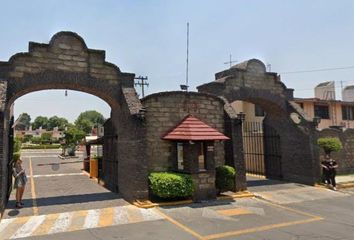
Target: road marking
(259, 229)
(4, 223)
(41, 156)
(57, 175)
(287, 208)
(180, 225)
(106, 217)
(62, 223)
(33, 190)
(120, 215)
(234, 212)
(46, 225)
(72, 221)
(92, 218)
(29, 227)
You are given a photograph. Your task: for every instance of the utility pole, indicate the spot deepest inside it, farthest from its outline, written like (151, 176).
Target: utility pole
(230, 62)
(142, 81)
(187, 60)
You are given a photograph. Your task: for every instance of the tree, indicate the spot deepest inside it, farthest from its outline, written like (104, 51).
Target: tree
(23, 122)
(330, 144)
(59, 122)
(89, 119)
(40, 121)
(46, 137)
(72, 137)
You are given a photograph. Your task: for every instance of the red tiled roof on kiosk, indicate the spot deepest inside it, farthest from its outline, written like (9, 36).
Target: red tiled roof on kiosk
(191, 128)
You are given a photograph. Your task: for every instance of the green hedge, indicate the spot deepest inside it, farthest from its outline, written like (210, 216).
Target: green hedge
(171, 185)
(42, 146)
(225, 178)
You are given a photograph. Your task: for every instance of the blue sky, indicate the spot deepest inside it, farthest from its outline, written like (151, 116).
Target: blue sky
(149, 38)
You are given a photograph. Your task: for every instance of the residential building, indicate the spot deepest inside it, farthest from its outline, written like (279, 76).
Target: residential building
(325, 91)
(348, 94)
(332, 112)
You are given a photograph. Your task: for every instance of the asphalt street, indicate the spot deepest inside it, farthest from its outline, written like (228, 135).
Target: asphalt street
(63, 203)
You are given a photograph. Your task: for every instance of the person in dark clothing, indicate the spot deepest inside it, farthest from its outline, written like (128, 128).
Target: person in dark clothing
(329, 166)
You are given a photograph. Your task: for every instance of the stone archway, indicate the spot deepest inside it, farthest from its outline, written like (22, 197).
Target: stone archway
(249, 81)
(67, 63)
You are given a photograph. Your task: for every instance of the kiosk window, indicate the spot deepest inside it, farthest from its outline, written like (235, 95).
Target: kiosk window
(180, 156)
(201, 157)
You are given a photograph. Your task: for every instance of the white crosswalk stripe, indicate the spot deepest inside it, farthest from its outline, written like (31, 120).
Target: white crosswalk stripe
(92, 218)
(70, 221)
(4, 223)
(62, 223)
(29, 227)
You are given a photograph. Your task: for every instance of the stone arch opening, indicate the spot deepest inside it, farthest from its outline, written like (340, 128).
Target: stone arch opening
(249, 81)
(67, 63)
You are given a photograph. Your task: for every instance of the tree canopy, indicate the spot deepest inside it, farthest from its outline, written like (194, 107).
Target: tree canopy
(89, 119)
(40, 121)
(56, 121)
(23, 122)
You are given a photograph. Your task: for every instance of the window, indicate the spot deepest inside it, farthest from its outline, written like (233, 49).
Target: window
(322, 111)
(258, 111)
(347, 113)
(201, 158)
(180, 165)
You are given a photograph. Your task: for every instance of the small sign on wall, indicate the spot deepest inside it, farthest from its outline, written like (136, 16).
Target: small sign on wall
(210, 148)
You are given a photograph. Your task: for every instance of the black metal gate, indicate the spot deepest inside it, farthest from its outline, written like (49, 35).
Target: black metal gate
(261, 148)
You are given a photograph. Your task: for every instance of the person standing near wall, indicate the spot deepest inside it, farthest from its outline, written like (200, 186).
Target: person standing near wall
(329, 167)
(20, 182)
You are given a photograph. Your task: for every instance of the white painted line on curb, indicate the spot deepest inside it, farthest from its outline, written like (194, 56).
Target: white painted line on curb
(29, 227)
(92, 218)
(5, 222)
(120, 215)
(62, 223)
(58, 175)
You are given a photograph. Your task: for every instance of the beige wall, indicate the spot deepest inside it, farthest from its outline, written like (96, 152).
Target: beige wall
(247, 108)
(335, 114)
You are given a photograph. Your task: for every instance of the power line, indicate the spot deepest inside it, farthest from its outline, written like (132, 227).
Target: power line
(318, 70)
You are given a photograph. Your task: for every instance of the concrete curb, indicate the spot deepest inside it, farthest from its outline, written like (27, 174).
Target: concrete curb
(149, 204)
(67, 157)
(339, 185)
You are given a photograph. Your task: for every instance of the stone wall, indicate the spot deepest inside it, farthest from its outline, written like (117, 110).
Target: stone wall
(344, 157)
(110, 157)
(249, 81)
(204, 187)
(66, 63)
(166, 110)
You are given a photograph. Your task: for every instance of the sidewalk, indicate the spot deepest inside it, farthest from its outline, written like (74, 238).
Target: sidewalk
(345, 181)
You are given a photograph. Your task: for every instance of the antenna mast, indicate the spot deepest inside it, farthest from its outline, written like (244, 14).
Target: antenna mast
(187, 55)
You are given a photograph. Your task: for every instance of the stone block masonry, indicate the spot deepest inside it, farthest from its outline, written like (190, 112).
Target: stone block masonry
(165, 110)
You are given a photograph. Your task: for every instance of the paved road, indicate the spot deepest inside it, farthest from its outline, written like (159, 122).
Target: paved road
(68, 205)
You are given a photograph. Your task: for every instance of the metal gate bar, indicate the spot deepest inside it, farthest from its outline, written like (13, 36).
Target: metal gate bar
(261, 145)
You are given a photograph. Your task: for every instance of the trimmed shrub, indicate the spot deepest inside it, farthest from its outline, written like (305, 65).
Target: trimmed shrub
(225, 178)
(330, 144)
(171, 185)
(42, 146)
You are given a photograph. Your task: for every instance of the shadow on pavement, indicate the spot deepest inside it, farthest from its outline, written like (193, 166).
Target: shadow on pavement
(48, 164)
(263, 182)
(69, 199)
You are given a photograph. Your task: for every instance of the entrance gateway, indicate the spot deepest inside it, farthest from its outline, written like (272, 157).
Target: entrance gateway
(136, 126)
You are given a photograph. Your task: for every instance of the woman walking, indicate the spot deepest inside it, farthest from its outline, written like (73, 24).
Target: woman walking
(20, 182)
